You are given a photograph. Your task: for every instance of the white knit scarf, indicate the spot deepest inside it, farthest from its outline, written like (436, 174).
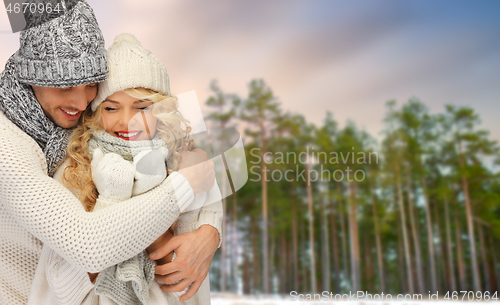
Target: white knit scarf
(19, 104)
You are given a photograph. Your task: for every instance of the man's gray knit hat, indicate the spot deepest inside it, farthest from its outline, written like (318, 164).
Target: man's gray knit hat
(65, 51)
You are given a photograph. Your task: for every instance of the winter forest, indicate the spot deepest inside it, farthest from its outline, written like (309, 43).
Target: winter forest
(413, 209)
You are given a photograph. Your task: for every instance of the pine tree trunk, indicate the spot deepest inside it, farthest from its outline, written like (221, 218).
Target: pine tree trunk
(470, 224)
(256, 274)
(430, 236)
(441, 274)
(401, 265)
(416, 237)
(272, 251)
(377, 239)
(325, 255)
(283, 263)
(335, 250)
(345, 261)
(303, 247)
(311, 229)
(354, 239)
(495, 263)
(265, 253)
(484, 257)
(409, 271)
(289, 266)
(295, 250)
(291, 269)
(461, 266)
(449, 250)
(246, 274)
(368, 263)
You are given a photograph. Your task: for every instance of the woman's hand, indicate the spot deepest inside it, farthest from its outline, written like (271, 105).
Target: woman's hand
(150, 169)
(112, 175)
(195, 251)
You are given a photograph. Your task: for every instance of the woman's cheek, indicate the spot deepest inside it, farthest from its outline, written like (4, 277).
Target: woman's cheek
(105, 121)
(151, 120)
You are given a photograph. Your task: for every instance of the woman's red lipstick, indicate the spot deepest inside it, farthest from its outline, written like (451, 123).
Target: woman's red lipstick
(129, 135)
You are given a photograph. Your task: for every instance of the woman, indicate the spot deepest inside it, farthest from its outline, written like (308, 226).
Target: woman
(121, 149)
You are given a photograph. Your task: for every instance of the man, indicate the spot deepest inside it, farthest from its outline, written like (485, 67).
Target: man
(44, 88)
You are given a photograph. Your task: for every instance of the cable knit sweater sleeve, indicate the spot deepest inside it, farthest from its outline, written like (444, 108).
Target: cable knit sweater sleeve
(212, 214)
(91, 241)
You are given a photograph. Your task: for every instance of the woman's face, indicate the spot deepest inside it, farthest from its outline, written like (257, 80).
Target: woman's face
(128, 118)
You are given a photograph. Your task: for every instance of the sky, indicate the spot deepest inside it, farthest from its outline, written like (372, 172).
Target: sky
(347, 57)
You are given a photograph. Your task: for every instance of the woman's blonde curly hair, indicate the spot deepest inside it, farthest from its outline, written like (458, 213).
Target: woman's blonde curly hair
(169, 128)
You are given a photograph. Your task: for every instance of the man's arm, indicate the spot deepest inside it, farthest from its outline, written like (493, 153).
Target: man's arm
(91, 241)
(195, 250)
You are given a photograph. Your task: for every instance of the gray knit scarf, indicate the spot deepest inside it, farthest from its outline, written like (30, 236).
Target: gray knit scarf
(128, 282)
(19, 104)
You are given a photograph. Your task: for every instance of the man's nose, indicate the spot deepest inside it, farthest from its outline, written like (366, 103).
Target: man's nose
(79, 99)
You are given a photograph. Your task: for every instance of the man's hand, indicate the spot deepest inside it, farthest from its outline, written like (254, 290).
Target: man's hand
(197, 169)
(93, 277)
(195, 251)
(162, 240)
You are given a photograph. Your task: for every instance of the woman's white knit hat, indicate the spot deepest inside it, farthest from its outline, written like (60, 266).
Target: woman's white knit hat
(131, 66)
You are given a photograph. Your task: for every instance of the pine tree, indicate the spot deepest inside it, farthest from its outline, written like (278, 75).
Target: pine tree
(260, 108)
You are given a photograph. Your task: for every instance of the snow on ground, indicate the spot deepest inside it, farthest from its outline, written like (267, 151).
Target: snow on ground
(231, 299)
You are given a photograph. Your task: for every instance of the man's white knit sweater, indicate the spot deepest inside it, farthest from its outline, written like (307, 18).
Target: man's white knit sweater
(36, 209)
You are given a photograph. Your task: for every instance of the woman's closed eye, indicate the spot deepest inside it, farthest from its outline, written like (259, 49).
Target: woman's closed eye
(109, 108)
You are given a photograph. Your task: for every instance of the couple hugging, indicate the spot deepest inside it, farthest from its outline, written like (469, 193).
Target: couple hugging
(103, 199)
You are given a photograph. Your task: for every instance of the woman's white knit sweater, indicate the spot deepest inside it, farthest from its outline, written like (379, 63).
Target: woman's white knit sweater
(59, 283)
(36, 209)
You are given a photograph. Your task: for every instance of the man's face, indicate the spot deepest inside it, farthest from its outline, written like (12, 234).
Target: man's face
(63, 106)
